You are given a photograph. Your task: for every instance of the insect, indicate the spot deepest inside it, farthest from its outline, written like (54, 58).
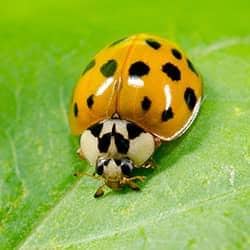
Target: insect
(134, 94)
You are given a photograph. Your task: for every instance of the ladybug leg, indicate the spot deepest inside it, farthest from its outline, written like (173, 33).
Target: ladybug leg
(149, 164)
(139, 177)
(157, 142)
(99, 192)
(80, 153)
(131, 184)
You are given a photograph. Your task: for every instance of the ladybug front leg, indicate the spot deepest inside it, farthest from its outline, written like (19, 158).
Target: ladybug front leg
(157, 142)
(131, 184)
(80, 153)
(149, 164)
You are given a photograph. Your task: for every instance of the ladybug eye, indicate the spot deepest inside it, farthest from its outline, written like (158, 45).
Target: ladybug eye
(99, 169)
(100, 166)
(127, 168)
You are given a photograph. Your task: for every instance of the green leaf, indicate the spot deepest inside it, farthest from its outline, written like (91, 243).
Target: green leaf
(197, 197)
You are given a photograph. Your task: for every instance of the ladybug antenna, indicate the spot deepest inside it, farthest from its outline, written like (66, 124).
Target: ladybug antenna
(78, 174)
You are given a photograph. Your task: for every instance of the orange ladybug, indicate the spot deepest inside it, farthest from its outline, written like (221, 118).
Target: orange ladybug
(136, 92)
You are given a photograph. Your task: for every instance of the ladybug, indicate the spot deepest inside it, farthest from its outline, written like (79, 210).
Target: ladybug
(134, 94)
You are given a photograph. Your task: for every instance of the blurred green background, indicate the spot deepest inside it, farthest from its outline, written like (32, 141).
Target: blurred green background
(197, 198)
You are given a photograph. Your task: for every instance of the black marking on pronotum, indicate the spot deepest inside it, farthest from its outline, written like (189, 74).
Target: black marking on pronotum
(104, 142)
(96, 129)
(145, 103)
(118, 41)
(122, 144)
(138, 68)
(172, 71)
(90, 65)
(133, 131)
(153, 43)
(75, 109)
(191, 66)
(90, 101)
(108, 69)
(176, 53)
(190, 98)
(167, 114)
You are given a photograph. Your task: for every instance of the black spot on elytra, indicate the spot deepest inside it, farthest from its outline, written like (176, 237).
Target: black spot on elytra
(176, 53)
(126, 169)
(96, 129)
(89, 66)
(122, 144)
(118, 41)
(191, 66)
(190, 98)
(145, 103)
(133, 130)
(104, 142)
(172, 71)
(90, 101)
(108, 69)
(75, 109)
(138, 68)
(153, 44)
(167, 114)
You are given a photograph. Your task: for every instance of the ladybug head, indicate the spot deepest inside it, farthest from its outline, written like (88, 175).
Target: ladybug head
(114, 170)
(116, 173)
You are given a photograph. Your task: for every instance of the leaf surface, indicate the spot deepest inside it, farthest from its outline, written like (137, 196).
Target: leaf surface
(196, 198)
